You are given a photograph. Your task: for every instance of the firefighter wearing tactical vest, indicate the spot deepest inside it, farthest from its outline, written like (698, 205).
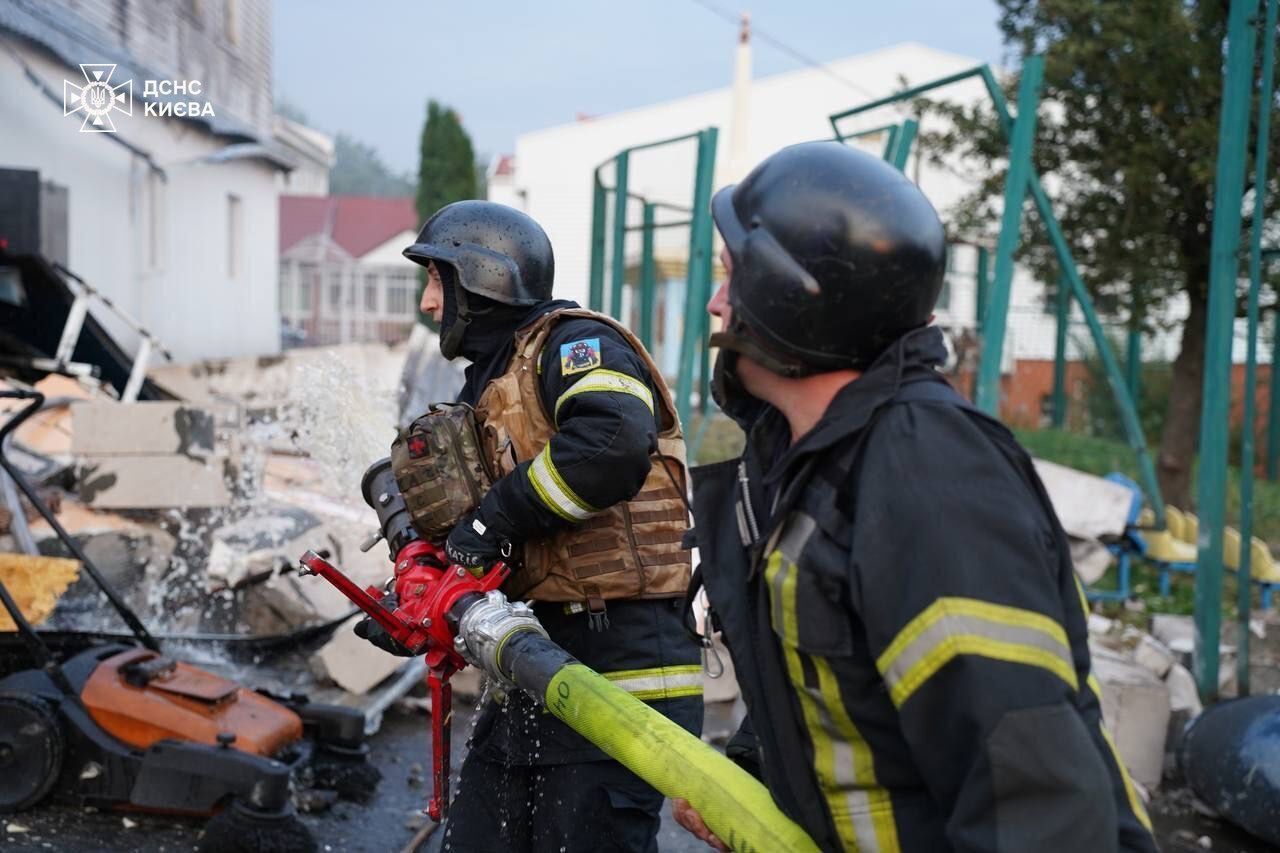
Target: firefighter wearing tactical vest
(888, 573)
(578, 430)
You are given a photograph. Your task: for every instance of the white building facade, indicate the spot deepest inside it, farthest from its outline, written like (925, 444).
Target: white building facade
(173, 218)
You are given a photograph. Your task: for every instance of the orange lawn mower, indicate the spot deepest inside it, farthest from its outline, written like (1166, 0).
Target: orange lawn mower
(110, 721)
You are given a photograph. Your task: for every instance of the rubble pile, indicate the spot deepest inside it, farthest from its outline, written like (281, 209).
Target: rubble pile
(197, 509)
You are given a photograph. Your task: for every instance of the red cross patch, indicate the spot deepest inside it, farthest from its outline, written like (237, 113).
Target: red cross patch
(417, 447)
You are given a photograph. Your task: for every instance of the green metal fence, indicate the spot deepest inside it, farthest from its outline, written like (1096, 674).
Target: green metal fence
(994, 294)
(609, 239)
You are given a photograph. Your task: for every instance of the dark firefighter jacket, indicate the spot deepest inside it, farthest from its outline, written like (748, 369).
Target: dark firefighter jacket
(602, 451)
(907, 629)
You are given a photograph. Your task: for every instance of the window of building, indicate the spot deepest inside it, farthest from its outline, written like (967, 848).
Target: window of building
(400, 290)
(308, 278)
(397, 300)
(335, 288)
(371, 293)
(285, 302)
(235, 235)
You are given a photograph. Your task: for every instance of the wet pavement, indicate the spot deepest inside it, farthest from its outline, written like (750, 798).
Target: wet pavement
(384, 825)
(394, 814)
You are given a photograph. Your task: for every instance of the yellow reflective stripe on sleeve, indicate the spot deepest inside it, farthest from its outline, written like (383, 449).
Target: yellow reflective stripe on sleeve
(861, 809)
(664, 682)
(601, 379)
(551, 488)
(1131, 793)
(967, 626)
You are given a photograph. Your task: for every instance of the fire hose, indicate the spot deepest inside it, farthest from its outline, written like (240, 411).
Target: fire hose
(456, 618)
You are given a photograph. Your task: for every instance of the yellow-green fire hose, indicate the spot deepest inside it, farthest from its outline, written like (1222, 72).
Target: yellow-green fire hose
(736, 807)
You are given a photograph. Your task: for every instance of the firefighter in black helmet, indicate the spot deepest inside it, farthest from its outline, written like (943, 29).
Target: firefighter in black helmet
(578, 423)
(886, 569)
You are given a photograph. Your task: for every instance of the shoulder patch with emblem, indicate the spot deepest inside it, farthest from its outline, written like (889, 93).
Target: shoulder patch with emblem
(579, 356)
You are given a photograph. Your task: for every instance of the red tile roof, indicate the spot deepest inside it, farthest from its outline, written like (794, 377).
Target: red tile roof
(357, 223)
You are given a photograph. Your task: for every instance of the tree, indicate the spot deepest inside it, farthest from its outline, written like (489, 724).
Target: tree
(1127, 142)
(358, 170)
(447, 168)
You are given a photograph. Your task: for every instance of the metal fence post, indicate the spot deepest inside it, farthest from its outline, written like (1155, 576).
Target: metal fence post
(619, 234)
(648, 278)
(1233, 132)
(1059, 415)
(983, 287)
(903, 149)
(1244, 597)
(697, 281)
(995, 323)
(1133, 360)
(595, 296)
(1273, 416)
(891, 142)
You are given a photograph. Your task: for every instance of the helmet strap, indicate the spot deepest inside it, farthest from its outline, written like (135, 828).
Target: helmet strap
(451, 340)
(738, 338)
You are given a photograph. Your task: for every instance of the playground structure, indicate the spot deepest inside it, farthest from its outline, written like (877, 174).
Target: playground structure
(1210, 540)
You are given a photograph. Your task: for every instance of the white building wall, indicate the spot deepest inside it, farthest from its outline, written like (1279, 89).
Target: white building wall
(158, 248)
(554, 167)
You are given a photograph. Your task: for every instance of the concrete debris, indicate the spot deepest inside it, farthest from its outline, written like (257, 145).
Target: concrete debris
(1176, 632)
(1183, 694)
(354, 664)
(261, 545)
(1090, 558)
(1089, 507)
(1154, 655)
(154, 455)
(264, 383)
(36, 584)
(1135, 706)
(1100, 625)
(131, 555)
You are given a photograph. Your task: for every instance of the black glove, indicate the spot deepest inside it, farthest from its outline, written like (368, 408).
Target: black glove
(474, 545)
(367, 629)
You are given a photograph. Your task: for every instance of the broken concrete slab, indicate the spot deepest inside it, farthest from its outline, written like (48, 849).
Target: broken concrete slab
(353, 664)
(1088, 506)
(102, 428)
(261, 544)
(154, 455)
(1172, 630)
(1136, 708)
(1183, 694)
(155, 482)
(36, 584)
(1153, 655)
(1090, 558)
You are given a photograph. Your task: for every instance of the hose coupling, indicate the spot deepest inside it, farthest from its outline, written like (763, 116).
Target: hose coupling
(487, 625)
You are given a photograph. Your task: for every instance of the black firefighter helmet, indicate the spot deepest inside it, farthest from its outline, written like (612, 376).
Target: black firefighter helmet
(495, 252)
(835, 256)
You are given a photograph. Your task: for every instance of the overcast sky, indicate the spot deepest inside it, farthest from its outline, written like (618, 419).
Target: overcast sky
(507, 67)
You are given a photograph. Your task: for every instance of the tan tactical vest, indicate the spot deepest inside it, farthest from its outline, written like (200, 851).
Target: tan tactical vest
(630, 550)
